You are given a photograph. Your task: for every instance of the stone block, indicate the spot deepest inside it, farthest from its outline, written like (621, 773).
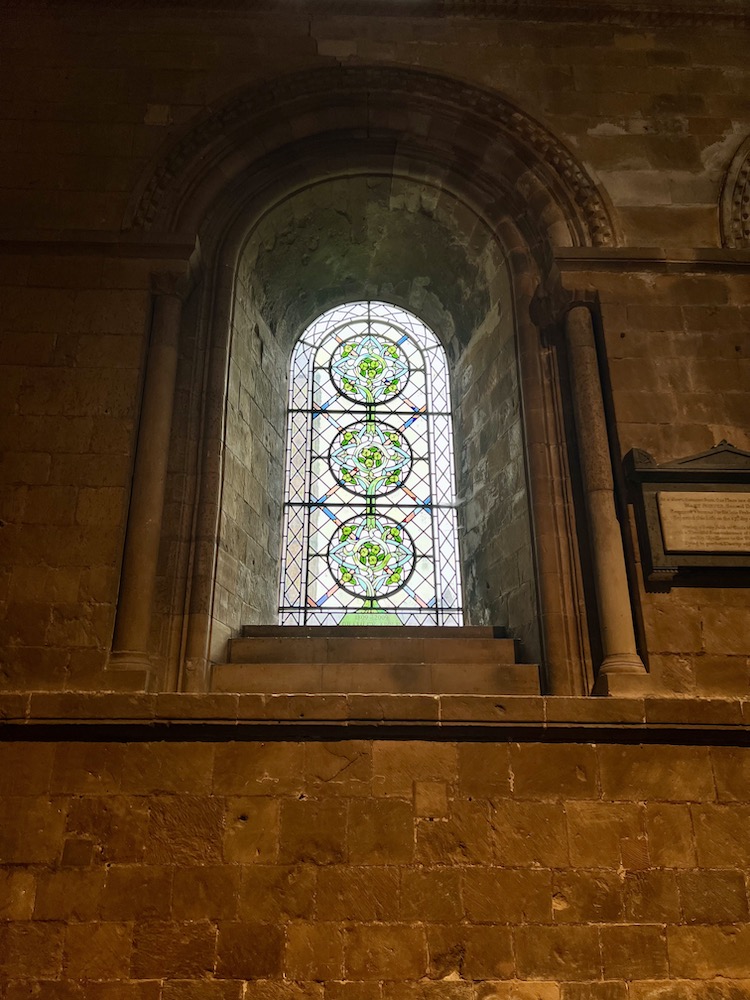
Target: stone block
(87, 767)
(168, 767)
(430, 799)
(357, 894)
(341, 768)
(380, 832)
(558, 953)
(396, 766)
(507, 895)
(385, 951)
(270, 893)
(31, 950)
(466, 952)
(595, 991)
(506, 709)
(581, 896)
(72, 894)
(265, 989)
(634, 952)
(51, 990)
(206, 893)
(171, 950)
(694, 711)
(465, 837)
(202, 989)
(713, 897)
(732, 773)
(484, 769)
(31, 830)
(78, 852)
(259, 769)
(553, 772)
(116, 825)
(352, 991)
(314, 951)
(529, 833)
(709, 952)
(651, 896)
(426, 990)
(313, 830)
(656, 772)
(414, 707)
(25, 768)
(97, 951)
(601, 833)
(251, 830)
(17, 889)
(430, 895)
(722, 834)
(518, 991)
(249, 951)
(679, 989)
(184, 829)
(137, 892)
(670, 835)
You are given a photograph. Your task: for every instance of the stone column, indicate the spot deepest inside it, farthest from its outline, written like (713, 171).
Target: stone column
(622, 670)
(130, 645)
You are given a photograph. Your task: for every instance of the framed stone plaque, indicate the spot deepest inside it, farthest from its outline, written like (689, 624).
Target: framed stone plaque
(692, 513)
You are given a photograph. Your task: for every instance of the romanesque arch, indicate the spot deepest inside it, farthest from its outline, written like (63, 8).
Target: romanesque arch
(406, 160)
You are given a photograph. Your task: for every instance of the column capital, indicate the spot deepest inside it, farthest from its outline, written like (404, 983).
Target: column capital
(173, 283)
(178, 277)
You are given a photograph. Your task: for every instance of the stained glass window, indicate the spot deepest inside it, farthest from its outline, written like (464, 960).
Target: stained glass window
(370, 508)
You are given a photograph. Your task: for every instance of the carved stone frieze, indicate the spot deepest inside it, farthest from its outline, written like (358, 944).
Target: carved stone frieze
(735, 200)
(387, 87)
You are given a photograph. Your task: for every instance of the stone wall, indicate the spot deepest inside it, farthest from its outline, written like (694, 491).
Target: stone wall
(374, 870)
(654, 113)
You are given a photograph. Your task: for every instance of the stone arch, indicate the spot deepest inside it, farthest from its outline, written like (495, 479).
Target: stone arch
(735, 199)
(494, 183)
(459, 125)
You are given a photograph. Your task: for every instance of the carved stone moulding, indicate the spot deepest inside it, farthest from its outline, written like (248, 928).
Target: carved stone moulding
(360, 93)
(646, 13)
(735, 200)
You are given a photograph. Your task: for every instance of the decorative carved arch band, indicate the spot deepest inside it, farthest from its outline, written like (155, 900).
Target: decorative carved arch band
(462, 124)
(735, 200)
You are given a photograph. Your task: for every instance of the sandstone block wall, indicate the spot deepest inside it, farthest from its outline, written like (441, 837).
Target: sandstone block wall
(655, 114)
(387, 870)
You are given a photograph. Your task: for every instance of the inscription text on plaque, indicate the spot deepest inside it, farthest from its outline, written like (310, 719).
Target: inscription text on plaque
(704, 521)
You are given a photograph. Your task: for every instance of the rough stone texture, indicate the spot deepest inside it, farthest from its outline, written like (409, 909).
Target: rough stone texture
(654, 115)
(569, 853)
(530, 893)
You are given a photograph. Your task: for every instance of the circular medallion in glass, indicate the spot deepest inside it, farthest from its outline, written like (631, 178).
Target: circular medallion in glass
(371, 556)
(369, 369)
(370, 458)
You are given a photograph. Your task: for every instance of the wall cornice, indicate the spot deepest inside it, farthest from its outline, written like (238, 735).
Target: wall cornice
(655, 259)
(134, 717)
(649, 13)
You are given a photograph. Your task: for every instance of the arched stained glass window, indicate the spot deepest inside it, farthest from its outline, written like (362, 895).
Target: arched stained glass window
(370, 507)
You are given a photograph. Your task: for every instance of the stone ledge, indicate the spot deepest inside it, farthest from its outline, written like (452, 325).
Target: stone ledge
(225, 714)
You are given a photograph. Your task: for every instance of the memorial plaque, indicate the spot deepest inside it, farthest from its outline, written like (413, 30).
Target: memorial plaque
(705, 521)
(693, 515)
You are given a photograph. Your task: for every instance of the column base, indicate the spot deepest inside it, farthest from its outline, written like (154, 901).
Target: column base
(622, 675)
(121, 659)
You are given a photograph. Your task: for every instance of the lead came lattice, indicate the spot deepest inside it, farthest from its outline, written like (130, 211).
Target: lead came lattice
(370, 519)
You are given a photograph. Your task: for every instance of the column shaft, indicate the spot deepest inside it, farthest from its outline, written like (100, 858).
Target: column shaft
(140, 557)
(611, 583)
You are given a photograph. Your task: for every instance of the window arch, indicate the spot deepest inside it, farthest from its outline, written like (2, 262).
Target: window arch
(370, 529)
